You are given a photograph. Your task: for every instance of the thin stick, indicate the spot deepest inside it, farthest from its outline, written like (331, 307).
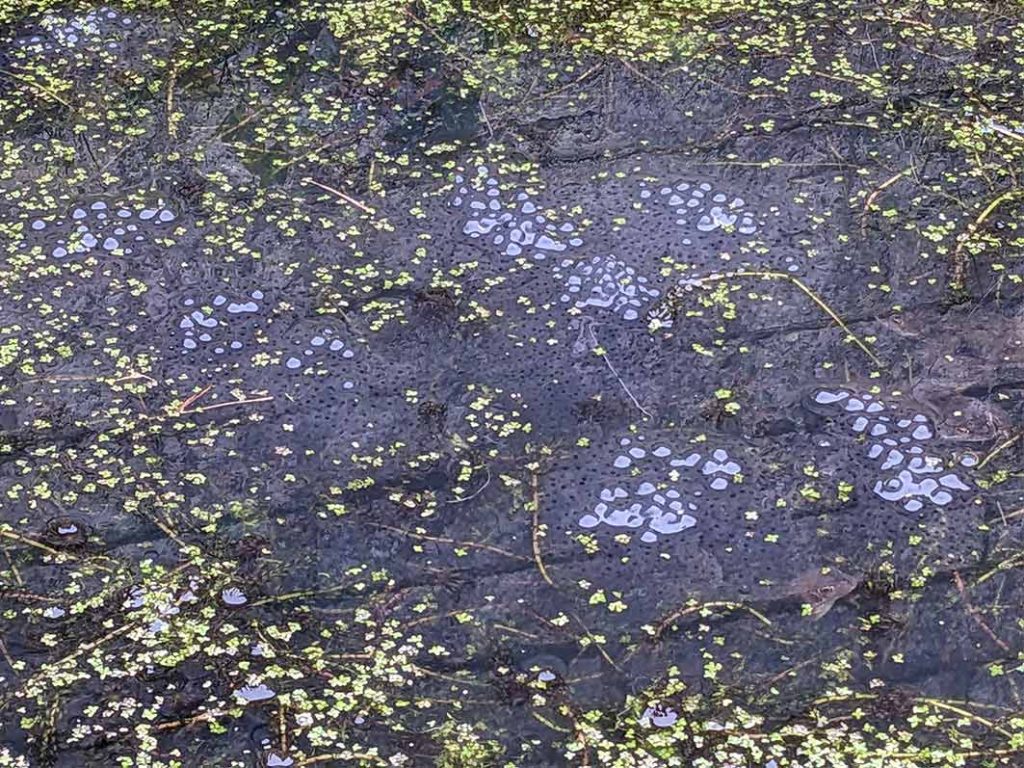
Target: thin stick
(596, 644)
(999, 449)
(240, 124)
(535, 534)
(515, 631)
(477, 492)
(547, 723)
(1002, 129)
(1003, 565)
(286, 596)
(183, 408)
(172, 78)
(438, 617)
(939, 704)
(597, 349)
(580, 735)
(342, 758)
(717, 277)
(453, 542)
(7, 656)
(973, 613)
(36, 86)
(165, 526)
(33, 543)
(13, 567)
(339, 194)
(245, 401)
(604, 356)
(282, 728)
(29, 596)
(665, 623)
(202, 717)
(877, 191)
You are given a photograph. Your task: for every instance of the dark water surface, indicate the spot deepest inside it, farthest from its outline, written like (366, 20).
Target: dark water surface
(374, 391)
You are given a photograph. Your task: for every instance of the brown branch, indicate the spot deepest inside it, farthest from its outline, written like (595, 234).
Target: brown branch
(974, 614)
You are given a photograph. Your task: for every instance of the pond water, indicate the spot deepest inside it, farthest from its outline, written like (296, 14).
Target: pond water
(381, 385)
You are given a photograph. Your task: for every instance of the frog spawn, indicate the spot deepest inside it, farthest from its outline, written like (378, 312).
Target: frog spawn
(99, 227)
(321, 348)
(700, 206)
(211, 326)
(605, 282)
(661, 507)
(101, 26)
(516, 226)
(911, 475)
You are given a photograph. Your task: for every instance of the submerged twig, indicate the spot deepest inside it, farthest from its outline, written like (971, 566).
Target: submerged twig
(186, 406)
(958, 276)
(667, 622)
(194, 398)
(340, 195)
(999, 449)
(587, 330)
(35, 86)
(13, 536)
(453, 542)
(769, 275)
(973, 613)
(477, 492)
(535, 529)
(341, 758)
(877, 191)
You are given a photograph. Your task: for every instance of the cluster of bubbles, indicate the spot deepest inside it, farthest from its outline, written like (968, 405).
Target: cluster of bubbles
(516, 225)
(699, 205)
(320, 347)
(254, 692)
(101, 25)
(911, 475)
(102, 227)
(605, 282)
(660, 507)
(233, 597)
(201, 324)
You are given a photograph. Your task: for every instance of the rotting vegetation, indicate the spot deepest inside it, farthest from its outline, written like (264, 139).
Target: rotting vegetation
(503, 383)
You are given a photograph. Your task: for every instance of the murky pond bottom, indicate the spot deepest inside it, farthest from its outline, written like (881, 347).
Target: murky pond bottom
(616, 425)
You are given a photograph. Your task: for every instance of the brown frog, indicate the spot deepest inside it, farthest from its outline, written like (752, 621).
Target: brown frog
(820, 588)
(959, 417)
